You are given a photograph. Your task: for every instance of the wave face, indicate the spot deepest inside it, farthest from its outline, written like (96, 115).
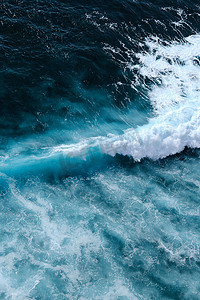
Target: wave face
(99, 155)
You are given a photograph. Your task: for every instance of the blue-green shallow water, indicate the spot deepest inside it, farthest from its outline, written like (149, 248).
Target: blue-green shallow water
(99, 150)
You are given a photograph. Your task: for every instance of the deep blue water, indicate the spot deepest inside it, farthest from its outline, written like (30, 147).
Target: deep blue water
(99, 149)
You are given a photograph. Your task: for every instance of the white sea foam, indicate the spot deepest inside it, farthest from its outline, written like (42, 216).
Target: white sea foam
(166, 135)
(174, 69)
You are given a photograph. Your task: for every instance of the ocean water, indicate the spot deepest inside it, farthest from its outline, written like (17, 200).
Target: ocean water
(99, 149)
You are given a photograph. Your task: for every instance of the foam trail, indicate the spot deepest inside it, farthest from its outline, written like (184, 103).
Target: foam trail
(58, 161)
(163, 136)
(174, 70)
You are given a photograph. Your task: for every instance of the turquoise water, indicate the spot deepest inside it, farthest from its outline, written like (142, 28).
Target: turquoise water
(99, 153)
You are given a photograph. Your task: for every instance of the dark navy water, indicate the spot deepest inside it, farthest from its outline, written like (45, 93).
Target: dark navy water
(99, 149)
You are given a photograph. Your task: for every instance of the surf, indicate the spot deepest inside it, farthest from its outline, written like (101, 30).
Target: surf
(173, 69)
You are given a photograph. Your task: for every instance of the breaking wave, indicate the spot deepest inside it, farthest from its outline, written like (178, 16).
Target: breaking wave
(173, 70)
